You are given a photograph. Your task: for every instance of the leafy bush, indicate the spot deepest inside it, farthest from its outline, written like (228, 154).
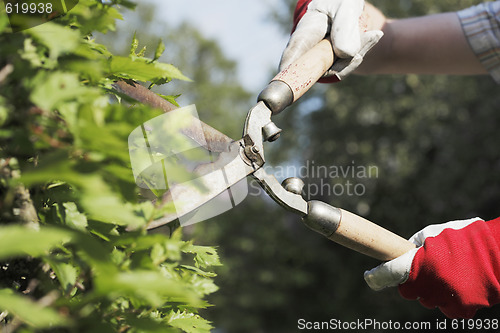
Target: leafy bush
(67, 193)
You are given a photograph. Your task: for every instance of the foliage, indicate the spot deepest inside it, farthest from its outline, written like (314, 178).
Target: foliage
(433, 140)
(214, 87)
(67, 193)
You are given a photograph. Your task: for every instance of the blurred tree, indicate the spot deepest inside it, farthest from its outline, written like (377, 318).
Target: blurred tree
(427, 145)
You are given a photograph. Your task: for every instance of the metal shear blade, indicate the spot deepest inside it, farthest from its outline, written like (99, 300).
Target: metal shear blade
(214, 178)
(244, 157)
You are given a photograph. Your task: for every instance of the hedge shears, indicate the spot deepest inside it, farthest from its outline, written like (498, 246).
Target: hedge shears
(245, 157)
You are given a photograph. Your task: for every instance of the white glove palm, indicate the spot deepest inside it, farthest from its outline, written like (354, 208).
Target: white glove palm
(338, 19)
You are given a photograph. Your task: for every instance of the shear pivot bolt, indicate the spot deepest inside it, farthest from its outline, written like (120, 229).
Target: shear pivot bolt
(293, 184)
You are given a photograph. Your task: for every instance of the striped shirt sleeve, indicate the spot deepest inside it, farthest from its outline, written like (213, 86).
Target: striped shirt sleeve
(481, 25)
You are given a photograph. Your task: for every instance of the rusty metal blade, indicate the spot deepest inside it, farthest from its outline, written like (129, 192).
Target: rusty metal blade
(215, 178)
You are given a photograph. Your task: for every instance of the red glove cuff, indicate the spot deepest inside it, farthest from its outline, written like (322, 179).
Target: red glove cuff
(458, 271)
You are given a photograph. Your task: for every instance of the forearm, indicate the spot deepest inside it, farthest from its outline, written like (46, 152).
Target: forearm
(433, 44)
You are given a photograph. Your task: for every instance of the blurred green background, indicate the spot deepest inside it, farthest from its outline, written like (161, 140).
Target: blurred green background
(433, 140)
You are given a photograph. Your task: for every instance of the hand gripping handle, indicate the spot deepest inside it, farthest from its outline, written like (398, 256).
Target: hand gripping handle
(293, 82)
(355, 232)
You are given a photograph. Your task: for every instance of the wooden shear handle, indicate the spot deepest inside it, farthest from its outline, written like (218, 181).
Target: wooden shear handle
(369, 238)
(355, 232)
(293, 82)
(302, 74)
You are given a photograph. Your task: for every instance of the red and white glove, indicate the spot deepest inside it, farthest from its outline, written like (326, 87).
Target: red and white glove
(455, 267)
(314, 20)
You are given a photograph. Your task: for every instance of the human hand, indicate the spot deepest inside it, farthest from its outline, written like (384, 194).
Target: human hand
(349, 27)
(455, 267)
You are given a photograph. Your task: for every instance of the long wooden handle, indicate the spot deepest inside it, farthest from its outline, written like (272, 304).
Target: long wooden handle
(369, 238)
(293, 82)
(355, 232)
(308, 69)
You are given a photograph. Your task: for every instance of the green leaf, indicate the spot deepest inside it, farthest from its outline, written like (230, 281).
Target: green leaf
(53, 167)
(36, 57)
(144, 70)
(73, 217)
(143, 242)
(135, 69)
(199, 271)
(33, 314)
(51, 35)
(146, 285)
(21, 241)
(91, 50)
(149, 325)
(51, 89)
(158, 254)
(169, 70)
(142, 52)
(91, 16)
(87, 69)
(134, 45)
(205, 256)
(103, 204)
(66, 273)
(189, 322)
(203, 285)
(159, 50)
(171, 99)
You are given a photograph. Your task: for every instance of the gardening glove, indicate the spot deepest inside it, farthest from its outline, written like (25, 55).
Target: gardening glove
(455, 267)
(340, 21)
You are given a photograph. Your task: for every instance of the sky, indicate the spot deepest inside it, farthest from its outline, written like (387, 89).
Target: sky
(243, 29)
